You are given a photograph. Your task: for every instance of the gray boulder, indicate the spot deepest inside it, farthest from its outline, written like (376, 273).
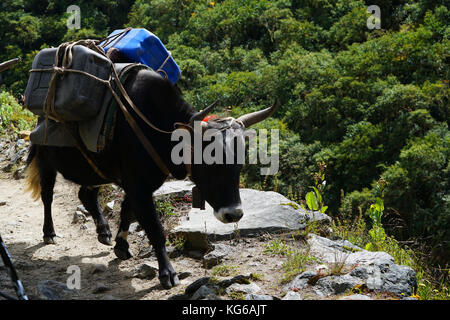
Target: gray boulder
(264, 211)
(376, 270)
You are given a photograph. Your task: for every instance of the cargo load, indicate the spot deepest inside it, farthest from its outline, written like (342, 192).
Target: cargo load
(78, 93)
(142, 46)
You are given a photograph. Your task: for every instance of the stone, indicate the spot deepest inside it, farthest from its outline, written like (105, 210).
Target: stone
(245, 288)
(264, 211)
(184, 275)
(99, 268)
(78, 216)
(100, 288)
(109, 206)
(241, 279)
(300, 281)
(329, 251)
(292, 295)
(205, 292)
(54, 290)
(376, 270)
(355, 297)
(145, 271)
(81, 208)
(172, 252)
(215, 257)
(195, 254)
(174, 188)
(145, 252)
(134, 227)
(253, 296)
(194, 286)
(334, 285)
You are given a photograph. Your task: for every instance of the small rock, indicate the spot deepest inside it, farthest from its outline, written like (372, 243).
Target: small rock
(78, 216)
(20, 143)
(110, 206)
(215, 257)
(145, 271)
(195, 254)
(2, 203)
(99, 268)
(53, 290)
(173, 252)
(184, 275)
(253, 296)
(100, 288)
(141, 234)
(194, 286)
(134, 227)
(81, 208)
(145, 252)
(83, 226)
(240, 279)
(205, 292)
(178, 297)
(292, 295)
(300, 281)
(245, 288)
(356, 297)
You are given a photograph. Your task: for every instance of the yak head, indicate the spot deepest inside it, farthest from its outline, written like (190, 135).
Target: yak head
(217, 157)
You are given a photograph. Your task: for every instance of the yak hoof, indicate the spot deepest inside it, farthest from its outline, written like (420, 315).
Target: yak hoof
(169, 280)
(49, 240)
(122, 254)
(105, 239)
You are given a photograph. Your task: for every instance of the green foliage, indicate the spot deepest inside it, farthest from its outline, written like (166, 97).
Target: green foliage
(13, 116)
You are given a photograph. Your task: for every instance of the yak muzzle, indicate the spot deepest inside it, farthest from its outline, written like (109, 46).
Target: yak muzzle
(229, 214)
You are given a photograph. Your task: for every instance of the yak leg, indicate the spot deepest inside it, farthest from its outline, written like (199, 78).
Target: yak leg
(48, 178)
(89, 199)
(145, 212)
(121, 249)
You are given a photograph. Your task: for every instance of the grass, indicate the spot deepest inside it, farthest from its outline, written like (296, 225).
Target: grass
(224, 270)
(13, 116)
(296, 264)
(278, 247)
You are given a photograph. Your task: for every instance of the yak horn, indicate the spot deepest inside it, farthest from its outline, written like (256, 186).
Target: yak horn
(8, 64)
(258, 116)
(201, 114)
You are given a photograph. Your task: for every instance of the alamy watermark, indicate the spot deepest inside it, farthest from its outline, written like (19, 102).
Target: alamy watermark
(74, 20)
(74, 280)
(374, 21)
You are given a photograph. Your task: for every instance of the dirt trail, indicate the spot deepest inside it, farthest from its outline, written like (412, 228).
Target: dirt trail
(21, 221)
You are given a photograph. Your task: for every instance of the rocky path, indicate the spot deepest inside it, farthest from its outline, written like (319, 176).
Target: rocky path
(265, 256)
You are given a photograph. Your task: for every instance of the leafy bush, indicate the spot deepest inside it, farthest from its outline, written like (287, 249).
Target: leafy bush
(12, 115)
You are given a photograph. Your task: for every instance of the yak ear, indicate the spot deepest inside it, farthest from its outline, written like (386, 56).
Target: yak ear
(201, 114)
